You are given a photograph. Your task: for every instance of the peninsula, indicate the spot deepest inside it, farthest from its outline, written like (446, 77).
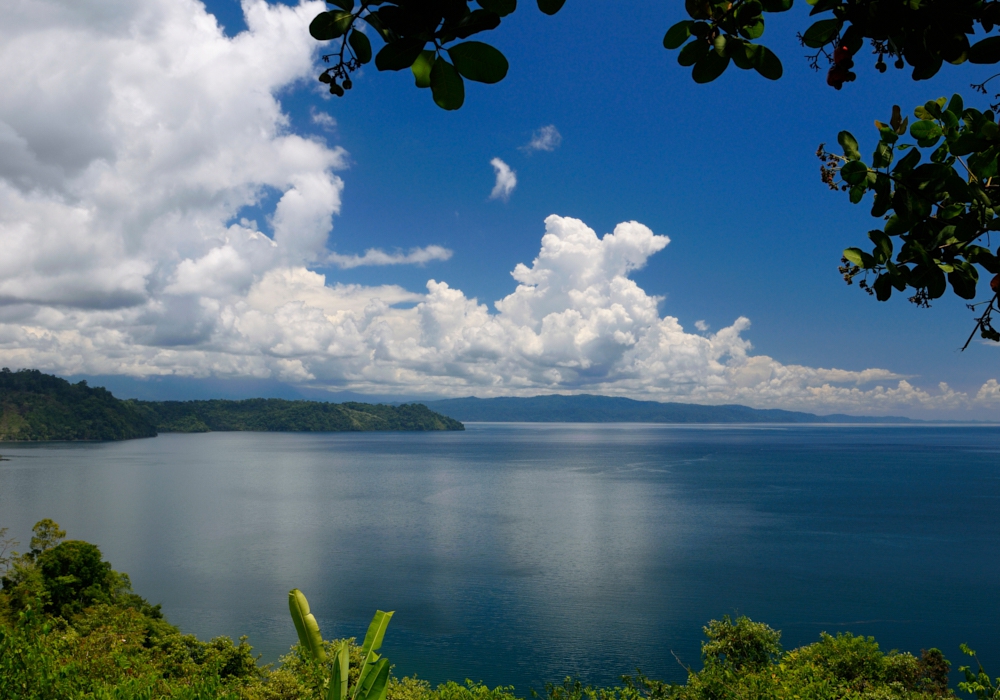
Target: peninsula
(39, 407)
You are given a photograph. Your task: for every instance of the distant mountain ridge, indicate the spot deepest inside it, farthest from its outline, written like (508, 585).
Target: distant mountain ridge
(588, 408)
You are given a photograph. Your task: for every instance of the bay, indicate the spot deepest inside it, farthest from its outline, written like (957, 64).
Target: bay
(518, 554)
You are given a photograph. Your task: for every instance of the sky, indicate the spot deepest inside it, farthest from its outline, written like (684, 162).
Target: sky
(186, 213)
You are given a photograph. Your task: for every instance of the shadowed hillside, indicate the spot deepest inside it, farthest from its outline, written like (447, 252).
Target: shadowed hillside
(36, 406)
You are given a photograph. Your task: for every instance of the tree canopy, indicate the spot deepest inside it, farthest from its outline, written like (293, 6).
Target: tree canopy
(939, 213)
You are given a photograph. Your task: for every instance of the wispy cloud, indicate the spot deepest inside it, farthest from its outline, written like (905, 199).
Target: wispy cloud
(547, 138)
(323, 119)
(374, 256)
(506, 180)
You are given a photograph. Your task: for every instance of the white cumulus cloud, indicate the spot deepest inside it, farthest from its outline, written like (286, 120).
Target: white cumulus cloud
(547, 138)
(506, 180)
(374, 256)
(125, 179)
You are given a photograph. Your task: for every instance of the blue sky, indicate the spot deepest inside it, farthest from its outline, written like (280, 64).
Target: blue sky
(727, 171)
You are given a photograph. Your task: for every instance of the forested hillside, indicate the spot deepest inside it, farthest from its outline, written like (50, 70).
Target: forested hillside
(277, 415)
(36, 406)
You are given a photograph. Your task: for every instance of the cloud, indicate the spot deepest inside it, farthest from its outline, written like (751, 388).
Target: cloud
(547, 138)
(506, 180)
(701, 326)
(373, 256)
(322, 119)
(124, 185)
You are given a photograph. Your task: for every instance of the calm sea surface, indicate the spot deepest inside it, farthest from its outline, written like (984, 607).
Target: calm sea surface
(519, 554)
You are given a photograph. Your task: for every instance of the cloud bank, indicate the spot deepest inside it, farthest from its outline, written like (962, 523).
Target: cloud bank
(125, 176)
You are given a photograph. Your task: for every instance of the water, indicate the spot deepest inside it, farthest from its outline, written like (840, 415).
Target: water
(519, 554)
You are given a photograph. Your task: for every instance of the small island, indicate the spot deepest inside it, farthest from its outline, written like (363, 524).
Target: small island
(40, 407)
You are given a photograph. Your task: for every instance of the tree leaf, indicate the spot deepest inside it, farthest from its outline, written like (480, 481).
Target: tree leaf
(709, 67)
(345, 5)
(305, 624)
(854, 172)
(330, 25)
(677, 34)
(341, 670)
(692, 53)
(374, 684)
(767, 64)
(925, 130)
(776, 5)
(421, 69)
(985, 51)
(361, 45)
(883, 288)
(821, 33)
(399, 54)
(500, 7)
(379, 623)
(447, 87)
(853, 255)
(849, 144)
(475, 22)
(550, 7)
(478, 61)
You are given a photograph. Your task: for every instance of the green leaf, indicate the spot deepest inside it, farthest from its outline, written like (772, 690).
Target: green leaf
(740, 51)
(500, 7)
(907, 162)
(956, 106)
(821, 33)
(776, 5)
(857, 193)
(709, 67)
(853, 255)
(896, 226)
(854, 172)
(341, 670)
(446, 85)
(677, 34)
(361, 45)
(882, 156)
(478, 61)
(421, 69)
(985, 51)
(882, 244)
(379, 623)
(691, 53)
(345, 5)
(330, 25)
(924, 130)
(399, 54)
(374, 685)
(849, 144)
(883, 288)
(306, 625)
(753, 30)
(550, 7)
(766, 63)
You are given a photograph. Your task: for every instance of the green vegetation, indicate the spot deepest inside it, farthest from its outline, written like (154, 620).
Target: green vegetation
(71, 627)
(36, 406)
(279, 415)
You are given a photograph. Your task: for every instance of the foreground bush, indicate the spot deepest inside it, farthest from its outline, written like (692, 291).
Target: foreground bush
(71, 627)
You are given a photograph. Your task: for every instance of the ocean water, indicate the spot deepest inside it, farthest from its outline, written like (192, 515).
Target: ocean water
(519, 554)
